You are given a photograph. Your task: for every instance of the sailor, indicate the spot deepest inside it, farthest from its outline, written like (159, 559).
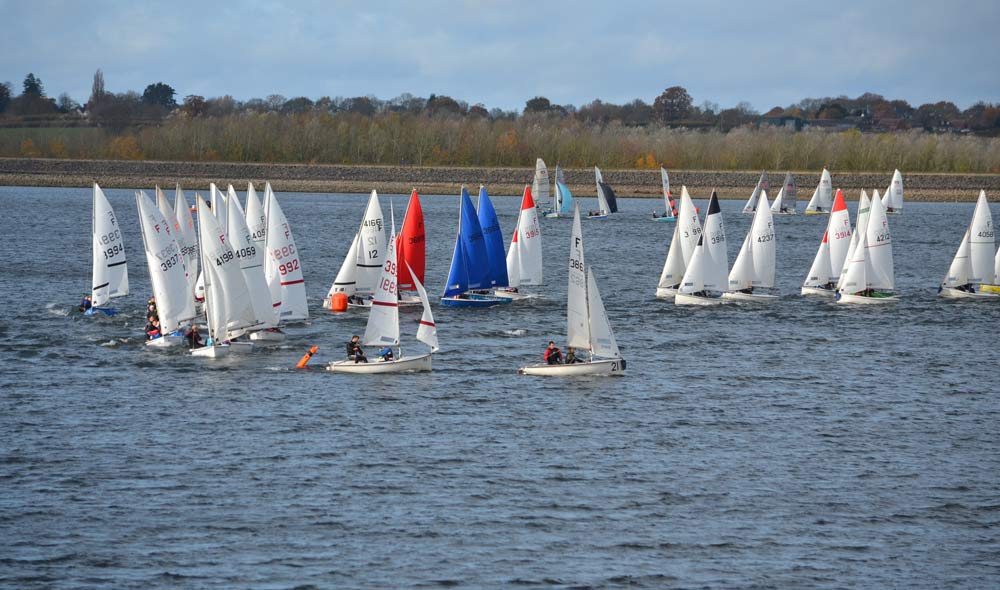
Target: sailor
(553, 355)
(571, 357)
(385, 354)
(86, 304)
(354, 350)
(193, 337)
(153, 329)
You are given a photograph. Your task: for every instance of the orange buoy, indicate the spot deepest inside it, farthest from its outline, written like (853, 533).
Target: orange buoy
(338, 303)
(305, 358)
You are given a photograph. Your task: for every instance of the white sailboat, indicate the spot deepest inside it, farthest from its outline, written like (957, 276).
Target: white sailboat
(587, 326)
(524, 257)
(973, 265)
(832, 253)
(893, 199)
(752, 277)
(110, 268)
(383, 325)
(218, 204)
(785, 202)
(687, 232)
(228, 307)
(705, 278)
(860, 225)
(669, 205)
(167, 272)
(281, 264)
(187, 237)
(607, 201)
(870, 278)
(822, 197)
(763, 184)
(360, 271)
(251, 260)
(540, 184)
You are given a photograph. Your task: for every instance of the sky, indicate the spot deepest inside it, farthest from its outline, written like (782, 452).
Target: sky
(501, 53)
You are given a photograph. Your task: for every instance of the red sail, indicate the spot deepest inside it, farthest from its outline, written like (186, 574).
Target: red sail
(410, 245)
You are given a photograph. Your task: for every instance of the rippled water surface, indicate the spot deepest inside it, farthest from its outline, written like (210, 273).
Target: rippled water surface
(802, 445)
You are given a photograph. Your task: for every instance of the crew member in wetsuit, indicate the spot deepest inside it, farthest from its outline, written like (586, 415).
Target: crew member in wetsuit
(193, 338)
(553, 355)
(354, 350)
(571, 357)
(153, 329)
(86, 304)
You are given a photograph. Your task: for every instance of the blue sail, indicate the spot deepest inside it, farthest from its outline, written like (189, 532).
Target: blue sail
(565, 199)
(493, 237)
(476, 259)
(458, 276)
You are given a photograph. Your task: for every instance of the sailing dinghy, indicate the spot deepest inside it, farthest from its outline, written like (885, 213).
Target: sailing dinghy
(187, 237)
(471, 268)
(669, 205)
(752, 277)
(587, 326)
(524, 257)
(383, 325)
(973, 264)
(832, 253)
(705, 278)
(893, 199)
(763, 184)
(411, 251)
(167, 273)
(563, 202)
(682, 247)
(360, 271)
(785, 202)
(110, 269)
(607, 201)
(540, 185)
(870, 278)
(281, 264)
(228, 307)
(251, 260)
(822, 197)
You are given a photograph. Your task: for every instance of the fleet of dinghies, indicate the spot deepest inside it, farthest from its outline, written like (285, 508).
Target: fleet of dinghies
(244, 266)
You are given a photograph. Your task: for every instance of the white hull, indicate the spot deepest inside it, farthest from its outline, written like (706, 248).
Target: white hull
(515, 296)
(602, 367)
(166, 341)
(265, 336)
(863, 300)
(401, 365)
(212, 352)
(750, 297)
(819, 291)
(410, 301)
(685, 299)
(240, 346)
(666, 292)
(952, 293)
(783, 213)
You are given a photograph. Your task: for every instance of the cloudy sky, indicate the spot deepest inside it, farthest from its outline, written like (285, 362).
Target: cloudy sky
(501, 53)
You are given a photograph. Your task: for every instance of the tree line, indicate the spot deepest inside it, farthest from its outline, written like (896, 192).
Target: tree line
(441, 130)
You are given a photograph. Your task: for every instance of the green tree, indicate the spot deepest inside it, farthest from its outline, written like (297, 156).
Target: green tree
(33, 86)
(673, 104)
(194, 105)
(4, 96)
(539, 104)
(97, 91)
(160, 94)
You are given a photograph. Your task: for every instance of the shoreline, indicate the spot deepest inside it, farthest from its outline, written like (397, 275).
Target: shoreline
(448, 180)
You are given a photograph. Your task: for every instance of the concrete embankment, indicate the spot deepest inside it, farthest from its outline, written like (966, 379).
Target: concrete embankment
(448, 180)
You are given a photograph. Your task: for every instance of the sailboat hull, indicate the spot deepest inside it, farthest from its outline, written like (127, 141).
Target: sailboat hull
(101, 311)
(990, 289)
(401, 365)
(475, 301)
(409, 301)
(866, 300)
(666, 292)
(516, 295)
(750, 297)
(602, 367)
(597, 217)
(685, 299)
(818, 291)
(783, 213)
(212, 352)
(166, 341)
(952, 293)
(267, 336)
(664, 219)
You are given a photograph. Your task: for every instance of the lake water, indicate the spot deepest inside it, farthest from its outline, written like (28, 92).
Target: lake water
(801, 445)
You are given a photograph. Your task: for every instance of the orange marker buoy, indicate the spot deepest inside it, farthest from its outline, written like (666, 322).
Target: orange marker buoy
(338, 303)
(305, 358)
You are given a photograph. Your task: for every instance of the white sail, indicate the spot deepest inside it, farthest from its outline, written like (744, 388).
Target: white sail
(540, 182)
(789, 194)
(347, 277)
(227, 299)
(855, 277)
(514, 261)
(187, 237)
(776, 205)
(251, 259)
(110, 269)
(371, 248)
(762, 185)
(694, 276)
(822, 199)
(981, 243)
(602, 337)
(529, 245)
(281, 265)
(174, 300)
(893, 198)
(763, 244)
(427, 332)
(383, 320)
(231, 196)
(164, 206)
(839, 235)
(256, 220)
(577, 318)
(996, 269)
(716, 273)
(688, 225)
(958, 272)
(673, 266)
(218, 202)
(861, 222)
(820, 273)
(665, 186)
(879, 245)
(602, 201)
(742, 275)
